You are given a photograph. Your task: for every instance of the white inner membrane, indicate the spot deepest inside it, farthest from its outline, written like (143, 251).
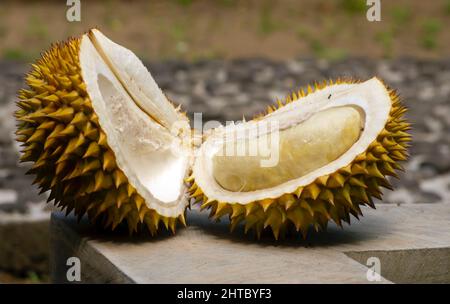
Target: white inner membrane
(149, 138)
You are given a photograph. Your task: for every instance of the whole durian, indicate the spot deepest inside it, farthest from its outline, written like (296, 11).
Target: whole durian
(103, 137)
(335, 144)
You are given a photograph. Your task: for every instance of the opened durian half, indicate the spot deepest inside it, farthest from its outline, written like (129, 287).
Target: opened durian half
(103, 137)
(316, 156)
(106, 141)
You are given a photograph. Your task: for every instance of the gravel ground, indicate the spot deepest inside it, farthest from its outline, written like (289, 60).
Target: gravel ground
(226, 90)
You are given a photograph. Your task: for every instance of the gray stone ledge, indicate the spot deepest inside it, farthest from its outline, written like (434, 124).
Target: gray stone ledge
(24, 241)
(411, 241)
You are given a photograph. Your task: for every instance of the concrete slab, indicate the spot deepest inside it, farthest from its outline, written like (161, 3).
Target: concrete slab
(24, 240)
(412, 243)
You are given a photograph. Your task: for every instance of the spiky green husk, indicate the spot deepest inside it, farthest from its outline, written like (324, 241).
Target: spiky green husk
(331, 197)
(61, 135)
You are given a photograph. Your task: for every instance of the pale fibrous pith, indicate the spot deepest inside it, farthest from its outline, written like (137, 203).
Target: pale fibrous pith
(105, 141)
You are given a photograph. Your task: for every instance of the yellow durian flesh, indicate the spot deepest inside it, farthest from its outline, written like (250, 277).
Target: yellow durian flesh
(302, 148)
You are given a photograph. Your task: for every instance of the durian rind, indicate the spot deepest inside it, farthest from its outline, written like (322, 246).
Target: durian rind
(61, 135)
(334, 196)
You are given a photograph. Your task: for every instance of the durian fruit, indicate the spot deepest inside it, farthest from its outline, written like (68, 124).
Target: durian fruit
(331, 149)
(102, 136)
(105, 140)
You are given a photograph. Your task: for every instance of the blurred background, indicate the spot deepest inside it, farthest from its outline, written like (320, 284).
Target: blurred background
(228, 58)
(225, 29)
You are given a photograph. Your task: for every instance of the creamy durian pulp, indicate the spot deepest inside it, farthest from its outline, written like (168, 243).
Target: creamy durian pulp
(301, 149)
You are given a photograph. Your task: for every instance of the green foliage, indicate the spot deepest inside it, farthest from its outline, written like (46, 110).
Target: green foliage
(15, 54)
(319, 49)
(227, 3)
(430, 30)
(386, 39)
(447, 7)
(3, 31)
(401, 15)
(178, 31)
(354, 6)
(316, 46)
(113, 23)
(178, 34)
(302, 32)
(33, 277)
(110, 17)
(184, 2)
(266, 23)
(432, 26)
(37, 29)
(429, 42)
(329, 53)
